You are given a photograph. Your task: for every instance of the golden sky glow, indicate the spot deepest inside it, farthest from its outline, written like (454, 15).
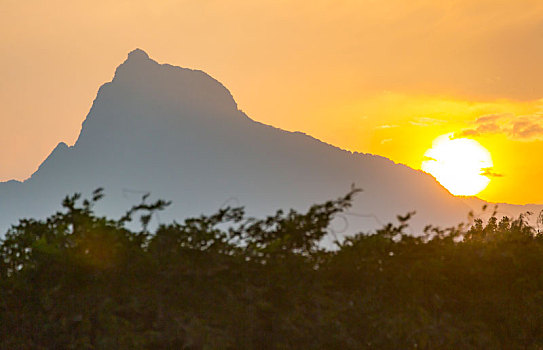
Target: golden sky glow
(377, 76)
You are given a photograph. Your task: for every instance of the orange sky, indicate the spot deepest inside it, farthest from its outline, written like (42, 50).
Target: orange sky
(378, 76)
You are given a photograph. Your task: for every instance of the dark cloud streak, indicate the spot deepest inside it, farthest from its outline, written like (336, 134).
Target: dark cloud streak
(489, 173)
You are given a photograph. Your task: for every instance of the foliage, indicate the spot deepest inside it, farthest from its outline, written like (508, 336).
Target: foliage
(224, 281)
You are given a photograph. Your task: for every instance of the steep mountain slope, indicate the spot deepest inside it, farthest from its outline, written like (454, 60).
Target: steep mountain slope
(179, 134)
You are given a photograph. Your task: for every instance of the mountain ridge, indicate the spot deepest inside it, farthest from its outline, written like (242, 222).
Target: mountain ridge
(179, 134)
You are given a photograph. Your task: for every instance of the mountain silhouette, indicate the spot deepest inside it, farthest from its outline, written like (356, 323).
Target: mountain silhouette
(178, 134)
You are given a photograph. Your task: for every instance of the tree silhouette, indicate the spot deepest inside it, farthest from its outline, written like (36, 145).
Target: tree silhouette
(225, 281)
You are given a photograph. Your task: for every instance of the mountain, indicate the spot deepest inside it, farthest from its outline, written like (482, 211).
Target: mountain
(178, 134)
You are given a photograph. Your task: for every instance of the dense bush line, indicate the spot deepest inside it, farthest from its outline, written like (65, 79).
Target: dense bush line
(79, 281)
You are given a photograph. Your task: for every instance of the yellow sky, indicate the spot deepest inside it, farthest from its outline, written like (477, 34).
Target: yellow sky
(378, 76)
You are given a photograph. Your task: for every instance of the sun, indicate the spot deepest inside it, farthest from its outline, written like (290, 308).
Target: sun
(459, 164)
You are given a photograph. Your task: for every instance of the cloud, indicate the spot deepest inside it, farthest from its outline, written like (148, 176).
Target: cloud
(488, 118)
(486, 128)
(385, 141)
(425, 121)
(428, 158)
(386, 126)
(521, 128)
(489, 173)
(526, 129)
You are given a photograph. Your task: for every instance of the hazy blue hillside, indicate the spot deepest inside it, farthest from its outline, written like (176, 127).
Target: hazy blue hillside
(179, 134)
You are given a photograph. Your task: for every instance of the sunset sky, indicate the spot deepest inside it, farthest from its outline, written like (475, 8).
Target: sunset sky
(376, 76)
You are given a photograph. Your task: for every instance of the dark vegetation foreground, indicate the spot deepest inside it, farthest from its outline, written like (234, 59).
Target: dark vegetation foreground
(78, 281)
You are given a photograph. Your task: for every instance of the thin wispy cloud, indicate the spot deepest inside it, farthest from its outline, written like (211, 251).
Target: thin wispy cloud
(386, 126)
(425, 121)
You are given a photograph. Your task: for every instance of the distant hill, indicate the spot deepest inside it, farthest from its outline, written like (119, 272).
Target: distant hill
(178, 134)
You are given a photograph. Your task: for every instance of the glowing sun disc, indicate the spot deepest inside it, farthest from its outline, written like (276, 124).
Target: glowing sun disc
(458, 164)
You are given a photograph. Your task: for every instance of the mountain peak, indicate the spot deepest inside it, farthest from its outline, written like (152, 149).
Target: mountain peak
(136, 61)
(138, 54)
(145, 94)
